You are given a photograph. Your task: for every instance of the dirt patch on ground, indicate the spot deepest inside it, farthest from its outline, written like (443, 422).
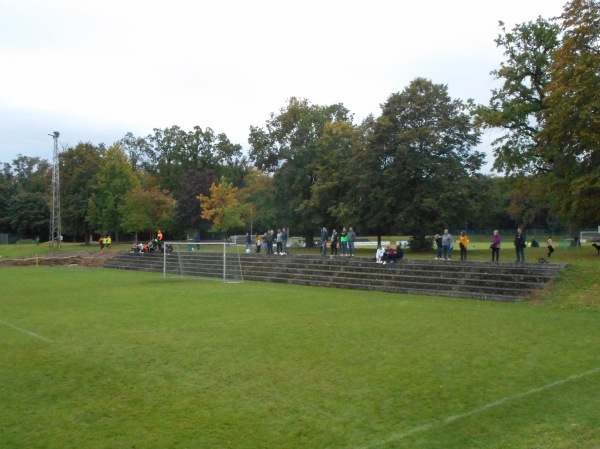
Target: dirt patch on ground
(82, 258)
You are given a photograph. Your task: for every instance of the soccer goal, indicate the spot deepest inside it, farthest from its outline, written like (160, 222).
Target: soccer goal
(589, 236)
(206, 260)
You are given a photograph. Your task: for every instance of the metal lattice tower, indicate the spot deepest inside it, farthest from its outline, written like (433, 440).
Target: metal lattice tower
(55, 227)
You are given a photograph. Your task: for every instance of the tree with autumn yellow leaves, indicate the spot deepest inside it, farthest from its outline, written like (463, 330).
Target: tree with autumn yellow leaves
(222, 207)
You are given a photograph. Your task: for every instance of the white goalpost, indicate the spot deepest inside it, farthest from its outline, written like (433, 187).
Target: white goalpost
(206, 260)
(589, 236)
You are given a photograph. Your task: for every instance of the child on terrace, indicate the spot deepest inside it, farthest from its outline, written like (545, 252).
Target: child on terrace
(379, 254)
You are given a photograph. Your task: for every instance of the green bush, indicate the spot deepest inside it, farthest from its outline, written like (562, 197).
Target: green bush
(421, 243)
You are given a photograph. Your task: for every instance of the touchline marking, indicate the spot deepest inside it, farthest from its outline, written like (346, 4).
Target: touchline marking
(442, 422)
(25, 331)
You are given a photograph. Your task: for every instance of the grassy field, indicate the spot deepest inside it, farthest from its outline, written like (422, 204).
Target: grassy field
(97, 358)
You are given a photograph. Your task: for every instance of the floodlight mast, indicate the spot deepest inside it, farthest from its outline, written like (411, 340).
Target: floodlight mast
(55, 226)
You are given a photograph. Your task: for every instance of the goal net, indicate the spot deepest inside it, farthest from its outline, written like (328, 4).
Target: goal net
(589, 236)
(206, 260)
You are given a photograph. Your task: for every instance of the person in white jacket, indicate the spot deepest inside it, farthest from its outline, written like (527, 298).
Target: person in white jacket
(379, 254)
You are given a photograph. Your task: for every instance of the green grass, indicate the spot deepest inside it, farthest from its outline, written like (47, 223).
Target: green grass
(28, 249)
(98, 358)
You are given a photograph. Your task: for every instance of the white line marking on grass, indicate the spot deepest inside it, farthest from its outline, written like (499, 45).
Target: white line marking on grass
(442, 422)
(25, 331)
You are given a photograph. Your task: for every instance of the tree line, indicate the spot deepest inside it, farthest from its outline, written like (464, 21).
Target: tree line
(412, 170)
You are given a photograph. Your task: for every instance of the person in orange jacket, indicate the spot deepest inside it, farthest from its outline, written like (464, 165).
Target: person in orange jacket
(463, 242)
(159, 239)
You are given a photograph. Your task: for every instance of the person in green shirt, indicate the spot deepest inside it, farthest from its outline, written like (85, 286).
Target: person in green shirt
(344, 241)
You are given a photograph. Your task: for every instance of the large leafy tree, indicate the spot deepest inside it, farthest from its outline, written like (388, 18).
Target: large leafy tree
(79, 168)
(114, 180)
(516, 109)
(365, 189)
(24, 192)
(163, 152)
(570, 139)
(548, 107)
(171, 152)
(188, 215)
(7, 191)
(257, 198)
(424, 144)
(333, 193)
(137, 148)
(147, 210)
(32, 174)
(516, 106)
(287, 147)
(28, 213)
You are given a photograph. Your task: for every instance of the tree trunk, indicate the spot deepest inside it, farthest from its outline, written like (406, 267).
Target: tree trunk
(309, 238)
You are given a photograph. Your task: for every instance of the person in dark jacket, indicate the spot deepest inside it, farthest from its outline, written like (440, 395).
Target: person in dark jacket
(324, 238)
(334, 243)
(351, 241)
(438, 247)
(520, 246)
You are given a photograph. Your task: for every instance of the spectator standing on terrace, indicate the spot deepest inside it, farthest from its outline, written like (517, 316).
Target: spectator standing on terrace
(447, 245)
(258, 241)
(279, 241)
(334, 242)
(101, 243)
(108, 241)
(344, 241)
(463, 243)
(495, 245)
(550, 244)
(379, 254)
(324, 238)
(284, 239)
(438, 247)
(520, 246)
(248, 240)
(159, 239)
(351, 241)
(270, 236)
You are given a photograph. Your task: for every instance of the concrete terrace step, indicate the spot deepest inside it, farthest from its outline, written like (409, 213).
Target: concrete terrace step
(466, 279)
(532, 272)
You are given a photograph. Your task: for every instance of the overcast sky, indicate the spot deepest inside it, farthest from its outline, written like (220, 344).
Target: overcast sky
(95, 71)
